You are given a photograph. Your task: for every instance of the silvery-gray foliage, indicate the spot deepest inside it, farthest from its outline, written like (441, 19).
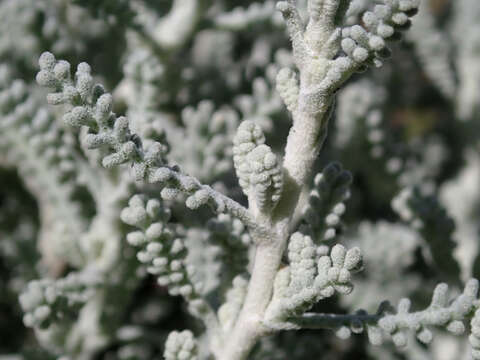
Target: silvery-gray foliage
(177, 194)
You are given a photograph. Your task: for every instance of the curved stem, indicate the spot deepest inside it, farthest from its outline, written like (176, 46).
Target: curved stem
(303, 145)
(249, 328)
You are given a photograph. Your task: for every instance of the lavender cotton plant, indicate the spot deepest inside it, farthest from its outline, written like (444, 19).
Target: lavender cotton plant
(199, 210)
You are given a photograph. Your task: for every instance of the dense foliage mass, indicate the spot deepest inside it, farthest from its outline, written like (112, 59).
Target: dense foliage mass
(230, 180)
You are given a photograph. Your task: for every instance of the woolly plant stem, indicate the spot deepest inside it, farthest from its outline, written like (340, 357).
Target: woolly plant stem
(249, 328)
(303, 145)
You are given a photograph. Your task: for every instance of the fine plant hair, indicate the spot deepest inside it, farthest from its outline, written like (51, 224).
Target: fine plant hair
(208, 207)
